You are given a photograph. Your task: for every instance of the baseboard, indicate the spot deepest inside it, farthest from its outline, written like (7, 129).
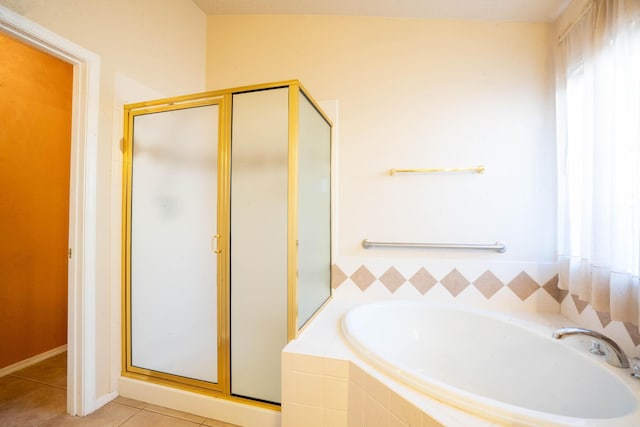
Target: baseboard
(199, 404)
(32, 360)
(103, 400)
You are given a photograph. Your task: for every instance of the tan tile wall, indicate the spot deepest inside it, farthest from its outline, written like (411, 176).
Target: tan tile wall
(314, 391)
(325, 392)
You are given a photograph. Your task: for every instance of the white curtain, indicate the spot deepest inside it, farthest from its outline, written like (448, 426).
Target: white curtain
(598, 127)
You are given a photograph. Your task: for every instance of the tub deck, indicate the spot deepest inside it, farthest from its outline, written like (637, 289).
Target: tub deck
(325, 383)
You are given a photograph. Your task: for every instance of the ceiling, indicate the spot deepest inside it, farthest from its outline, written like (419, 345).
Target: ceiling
(476, 10)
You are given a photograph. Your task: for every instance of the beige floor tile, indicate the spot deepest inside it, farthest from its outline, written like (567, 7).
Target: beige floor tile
(176, 414)
(35, 397)
(12, 388)
(34, 408)
(110, 415)
(145, 418)
(52, 371)
(215, 423)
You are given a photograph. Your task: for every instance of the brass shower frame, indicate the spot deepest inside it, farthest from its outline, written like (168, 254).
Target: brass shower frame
(223, 98)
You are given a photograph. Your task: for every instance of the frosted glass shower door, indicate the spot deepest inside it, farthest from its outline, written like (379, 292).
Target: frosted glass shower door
(173, 259)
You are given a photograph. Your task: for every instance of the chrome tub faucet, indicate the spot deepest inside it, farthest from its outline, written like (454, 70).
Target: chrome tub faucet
(614, 354)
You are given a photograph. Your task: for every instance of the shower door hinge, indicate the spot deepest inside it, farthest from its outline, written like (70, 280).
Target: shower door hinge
(70, 253)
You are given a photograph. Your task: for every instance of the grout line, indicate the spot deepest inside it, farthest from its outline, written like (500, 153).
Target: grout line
(147, 409)
(151, 411)
(170, 416)
(37, 381)
(132, 415)
(130, 405)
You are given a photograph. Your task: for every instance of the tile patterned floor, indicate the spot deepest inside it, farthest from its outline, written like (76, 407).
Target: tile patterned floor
(36, 397)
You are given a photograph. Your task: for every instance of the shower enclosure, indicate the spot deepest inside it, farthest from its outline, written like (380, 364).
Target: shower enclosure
(226, 236)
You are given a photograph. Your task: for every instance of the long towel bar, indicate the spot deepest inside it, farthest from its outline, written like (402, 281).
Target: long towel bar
(498, 246)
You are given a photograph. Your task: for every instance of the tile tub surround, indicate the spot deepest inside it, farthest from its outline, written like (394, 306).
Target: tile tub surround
(324, 383)
(326, 392)
(510, 286)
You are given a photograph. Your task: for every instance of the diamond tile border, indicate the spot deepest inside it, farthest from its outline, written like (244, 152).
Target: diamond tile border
(423, 281)
(605, 319)
(579, 304)
(392, 279)
(552, 289)
(337, 276)
(633, 332)
(363, 278)
(454, 282)
(488, 284)
(523, 286)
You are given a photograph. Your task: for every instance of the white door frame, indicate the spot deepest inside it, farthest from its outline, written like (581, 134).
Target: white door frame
(81, 356)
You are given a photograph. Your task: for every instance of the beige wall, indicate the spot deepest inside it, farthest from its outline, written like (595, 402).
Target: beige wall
(418, 93)
(162, 46)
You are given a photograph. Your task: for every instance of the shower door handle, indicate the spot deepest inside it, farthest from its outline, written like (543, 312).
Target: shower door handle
(214, 244)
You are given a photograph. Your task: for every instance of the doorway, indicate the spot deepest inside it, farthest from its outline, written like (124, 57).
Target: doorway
(35, 150)
(81, 398)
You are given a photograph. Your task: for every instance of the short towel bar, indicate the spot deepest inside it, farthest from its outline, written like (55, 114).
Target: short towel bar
(498, 246)
(478, 169)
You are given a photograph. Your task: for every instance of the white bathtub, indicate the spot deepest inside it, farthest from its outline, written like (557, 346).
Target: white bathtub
(483, 364)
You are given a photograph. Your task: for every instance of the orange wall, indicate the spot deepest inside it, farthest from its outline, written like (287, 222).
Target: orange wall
(35, 134)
